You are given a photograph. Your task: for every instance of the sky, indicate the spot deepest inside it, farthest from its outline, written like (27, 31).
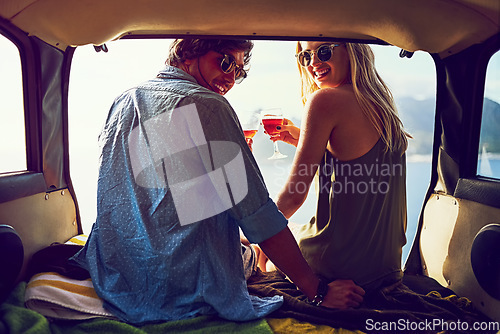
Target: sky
(12, 142)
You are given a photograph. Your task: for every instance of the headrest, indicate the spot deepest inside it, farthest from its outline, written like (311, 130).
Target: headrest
(11, 259)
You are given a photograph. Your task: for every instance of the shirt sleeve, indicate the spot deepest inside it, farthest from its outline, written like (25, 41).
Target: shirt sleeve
(257, 214)
(264, 223)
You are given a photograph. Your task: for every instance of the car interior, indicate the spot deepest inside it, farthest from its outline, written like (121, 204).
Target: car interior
(456, 244)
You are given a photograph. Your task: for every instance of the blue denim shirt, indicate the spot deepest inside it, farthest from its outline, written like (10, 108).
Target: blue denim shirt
(144, 263)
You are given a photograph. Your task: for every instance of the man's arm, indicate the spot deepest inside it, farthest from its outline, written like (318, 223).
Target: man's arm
(283, 251)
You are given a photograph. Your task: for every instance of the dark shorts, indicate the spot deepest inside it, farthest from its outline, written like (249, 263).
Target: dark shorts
(249, 260)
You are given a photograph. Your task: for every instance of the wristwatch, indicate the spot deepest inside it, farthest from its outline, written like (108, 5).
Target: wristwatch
(320, 293)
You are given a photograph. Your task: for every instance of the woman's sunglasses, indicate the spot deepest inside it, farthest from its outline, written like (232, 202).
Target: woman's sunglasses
(323, 52)
(228, 64)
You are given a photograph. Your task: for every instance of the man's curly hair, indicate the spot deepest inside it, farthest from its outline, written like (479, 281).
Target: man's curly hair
(191, 48)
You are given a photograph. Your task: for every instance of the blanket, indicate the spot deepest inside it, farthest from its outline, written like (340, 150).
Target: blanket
(396, 309)
(57, 296)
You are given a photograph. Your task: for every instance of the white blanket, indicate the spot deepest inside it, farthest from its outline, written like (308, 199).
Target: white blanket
(56, 296)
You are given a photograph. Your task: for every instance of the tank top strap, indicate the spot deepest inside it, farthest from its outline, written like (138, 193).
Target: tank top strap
(325, 177)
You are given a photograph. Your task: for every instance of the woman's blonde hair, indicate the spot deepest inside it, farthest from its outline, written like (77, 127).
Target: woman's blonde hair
(372, 94)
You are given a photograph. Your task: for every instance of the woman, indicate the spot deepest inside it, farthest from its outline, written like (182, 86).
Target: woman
(351, 134)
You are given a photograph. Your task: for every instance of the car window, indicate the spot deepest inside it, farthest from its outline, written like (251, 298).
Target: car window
(489, 142)
(272, 82)
(12, 132)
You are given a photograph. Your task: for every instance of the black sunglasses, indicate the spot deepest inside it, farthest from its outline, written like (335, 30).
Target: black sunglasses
(323, 52)
(228, 64)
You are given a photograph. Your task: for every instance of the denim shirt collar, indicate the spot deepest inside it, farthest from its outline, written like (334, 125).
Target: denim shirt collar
(172, 72)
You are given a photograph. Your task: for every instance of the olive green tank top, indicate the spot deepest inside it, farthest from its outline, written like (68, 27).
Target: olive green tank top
(359, 228)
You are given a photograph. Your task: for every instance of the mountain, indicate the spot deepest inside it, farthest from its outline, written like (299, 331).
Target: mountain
(417, 115)
(490, 126)
(418, 119)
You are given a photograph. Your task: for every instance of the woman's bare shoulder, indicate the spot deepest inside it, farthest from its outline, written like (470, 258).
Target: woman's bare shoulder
(333, 95)
(327, 99)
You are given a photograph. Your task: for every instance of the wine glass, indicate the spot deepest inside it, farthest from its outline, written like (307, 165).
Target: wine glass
(271, 118)
(250, 126)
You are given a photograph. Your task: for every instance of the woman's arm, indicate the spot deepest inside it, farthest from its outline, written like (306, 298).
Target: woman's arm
(320, 119)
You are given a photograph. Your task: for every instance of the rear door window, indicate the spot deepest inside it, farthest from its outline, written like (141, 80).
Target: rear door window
(489, 142)
(12, 132)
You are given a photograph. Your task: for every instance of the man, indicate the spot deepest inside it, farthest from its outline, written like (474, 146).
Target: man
(176, 182)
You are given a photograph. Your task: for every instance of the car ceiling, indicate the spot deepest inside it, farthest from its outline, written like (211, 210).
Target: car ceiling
(438, 26)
